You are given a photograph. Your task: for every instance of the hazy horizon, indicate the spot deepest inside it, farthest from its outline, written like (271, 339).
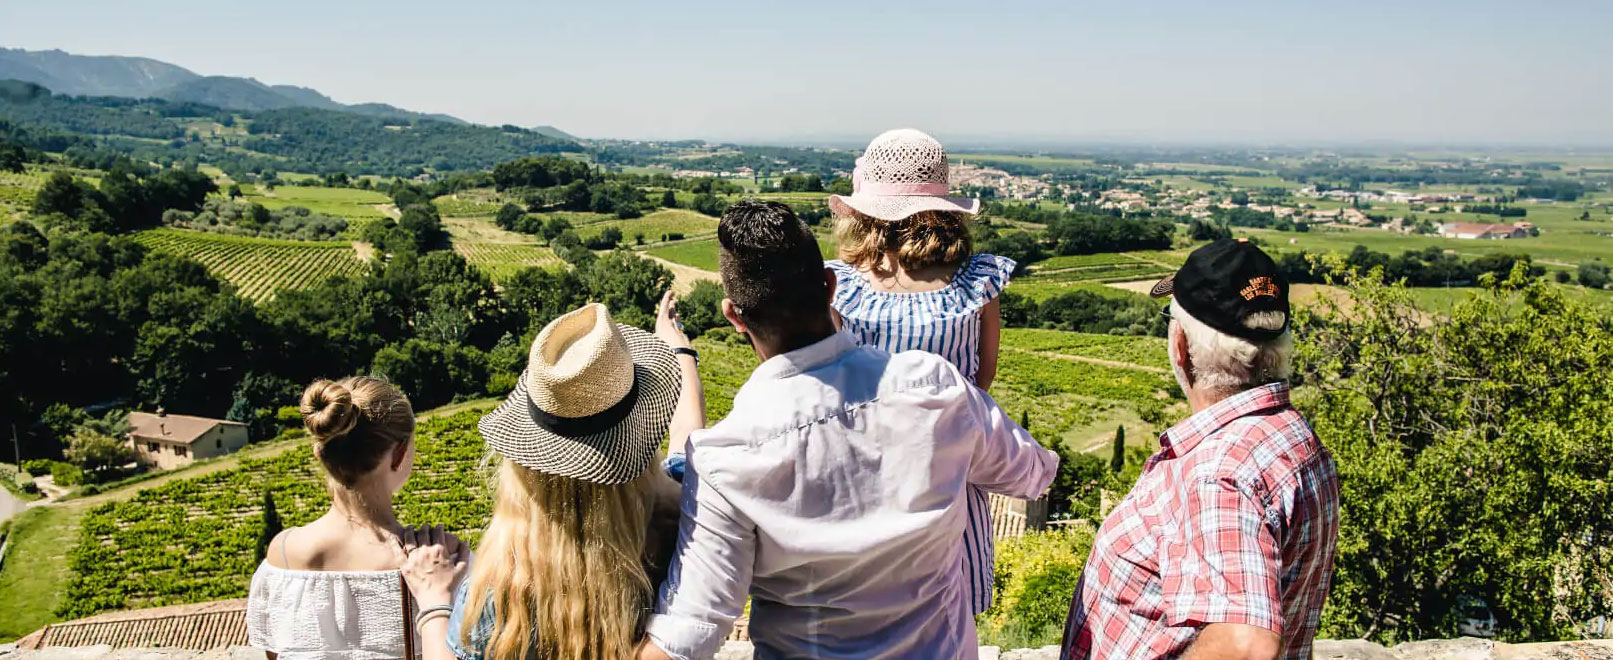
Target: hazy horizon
(1030, 74)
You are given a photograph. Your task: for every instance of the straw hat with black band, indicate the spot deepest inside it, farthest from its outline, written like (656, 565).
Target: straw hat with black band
(593, 403)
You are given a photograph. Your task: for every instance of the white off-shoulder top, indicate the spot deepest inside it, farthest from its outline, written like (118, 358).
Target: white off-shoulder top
(351, 615)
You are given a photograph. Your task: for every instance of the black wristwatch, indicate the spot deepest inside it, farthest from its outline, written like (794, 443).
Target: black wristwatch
(680, 350)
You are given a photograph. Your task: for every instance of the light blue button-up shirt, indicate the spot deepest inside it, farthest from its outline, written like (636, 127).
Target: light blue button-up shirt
(835, 495)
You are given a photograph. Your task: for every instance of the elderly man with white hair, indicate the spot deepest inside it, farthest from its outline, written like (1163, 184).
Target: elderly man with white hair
(1224, 548)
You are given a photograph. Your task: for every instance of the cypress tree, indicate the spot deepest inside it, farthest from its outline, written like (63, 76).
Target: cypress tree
(1025, 420)
(1117, 461)
(271, 526)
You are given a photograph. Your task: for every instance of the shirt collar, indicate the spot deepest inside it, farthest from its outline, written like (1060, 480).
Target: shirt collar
(1187, 434)
(806, 358)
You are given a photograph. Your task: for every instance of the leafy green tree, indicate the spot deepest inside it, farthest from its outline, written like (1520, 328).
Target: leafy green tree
(839, 186)
(508, 216)
(1593, 274)
(553, 228)
(669, 200)
(96, 454)
(701, 308)
(1473, 455)
(431, 373)
(709, 204)
(629, 285)
(536, 296)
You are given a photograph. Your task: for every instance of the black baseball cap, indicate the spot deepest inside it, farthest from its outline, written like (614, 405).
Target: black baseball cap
(1225, 282)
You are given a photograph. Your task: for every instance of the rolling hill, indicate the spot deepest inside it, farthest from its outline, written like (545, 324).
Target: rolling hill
(140, 77)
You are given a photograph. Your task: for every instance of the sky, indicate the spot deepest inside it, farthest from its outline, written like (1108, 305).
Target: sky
(831, 72)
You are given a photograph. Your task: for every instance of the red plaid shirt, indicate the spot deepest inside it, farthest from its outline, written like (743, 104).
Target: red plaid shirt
(1233, 521)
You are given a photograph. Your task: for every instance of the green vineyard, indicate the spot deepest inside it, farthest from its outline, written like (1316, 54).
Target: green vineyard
(501, 260)
(258, 267)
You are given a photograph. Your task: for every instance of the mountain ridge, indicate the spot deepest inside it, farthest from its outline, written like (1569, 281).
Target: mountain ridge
(143, 77)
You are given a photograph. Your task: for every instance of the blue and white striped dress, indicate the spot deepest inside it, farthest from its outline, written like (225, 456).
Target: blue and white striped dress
(945, 322)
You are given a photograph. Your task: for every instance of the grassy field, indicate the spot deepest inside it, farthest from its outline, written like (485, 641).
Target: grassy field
(357, 206)
(40, 540)
(258, 266)
(654, 225)
(494, 251)
(1563, 239)
(17, 191)
(702, 254)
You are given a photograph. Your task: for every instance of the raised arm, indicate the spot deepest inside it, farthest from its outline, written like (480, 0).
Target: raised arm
(708, 579)
(1007, 461)
(690, 415)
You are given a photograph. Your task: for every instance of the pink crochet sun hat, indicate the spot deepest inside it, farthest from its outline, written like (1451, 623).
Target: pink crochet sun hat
(901, 173)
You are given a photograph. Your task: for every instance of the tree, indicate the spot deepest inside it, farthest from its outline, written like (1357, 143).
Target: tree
(432, 373)
(1593, 274)
(97, 454)
(701, 308)
(709, 204)
(553, 228)
(508, 216)
(235, 191)
(1117, 455)
(271, 527)
(1473, 456)
(669, 199)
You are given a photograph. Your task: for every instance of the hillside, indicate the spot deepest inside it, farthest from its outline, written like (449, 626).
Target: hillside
(81, 75)
(293, 139)
(138, 77)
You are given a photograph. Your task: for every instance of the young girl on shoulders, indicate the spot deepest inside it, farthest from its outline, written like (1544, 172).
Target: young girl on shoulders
(908, 279)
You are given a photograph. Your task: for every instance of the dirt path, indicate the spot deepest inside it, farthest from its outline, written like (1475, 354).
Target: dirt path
(391, 210)
(1089, 360)
(364, 251)
(683, 277)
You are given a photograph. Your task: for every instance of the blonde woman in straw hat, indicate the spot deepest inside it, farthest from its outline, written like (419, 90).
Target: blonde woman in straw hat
(582, 519)
(908, 280)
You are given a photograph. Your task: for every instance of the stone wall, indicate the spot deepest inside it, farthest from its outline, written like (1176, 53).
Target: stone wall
(1355, 649)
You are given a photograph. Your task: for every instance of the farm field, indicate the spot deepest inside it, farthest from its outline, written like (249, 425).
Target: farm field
(17, 191)
(497, 252)
(193, 539)
(258, 267)
(702, 254)
(1563, 240)
(502, 260)
(357, 206)
(469, 203)
(654, 225)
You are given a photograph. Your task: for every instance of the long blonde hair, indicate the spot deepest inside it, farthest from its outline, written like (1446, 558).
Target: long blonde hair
(562, 566)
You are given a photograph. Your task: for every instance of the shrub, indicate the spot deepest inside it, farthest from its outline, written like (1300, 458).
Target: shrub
(1036, 574)
(66, 474)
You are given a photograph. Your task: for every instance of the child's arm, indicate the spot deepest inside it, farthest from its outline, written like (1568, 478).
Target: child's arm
(991, 328)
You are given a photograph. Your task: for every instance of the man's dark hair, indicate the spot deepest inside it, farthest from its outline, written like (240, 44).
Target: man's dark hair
(771, 269)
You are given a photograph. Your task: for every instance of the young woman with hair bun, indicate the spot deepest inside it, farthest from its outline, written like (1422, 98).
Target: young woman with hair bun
(331, 588)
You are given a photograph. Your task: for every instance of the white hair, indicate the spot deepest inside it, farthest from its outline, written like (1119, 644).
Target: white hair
(1228, 364)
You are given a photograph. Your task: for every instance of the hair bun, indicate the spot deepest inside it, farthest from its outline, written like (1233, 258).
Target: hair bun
(328, 411)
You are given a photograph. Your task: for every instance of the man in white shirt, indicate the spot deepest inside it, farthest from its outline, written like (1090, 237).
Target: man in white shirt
(834, 494)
